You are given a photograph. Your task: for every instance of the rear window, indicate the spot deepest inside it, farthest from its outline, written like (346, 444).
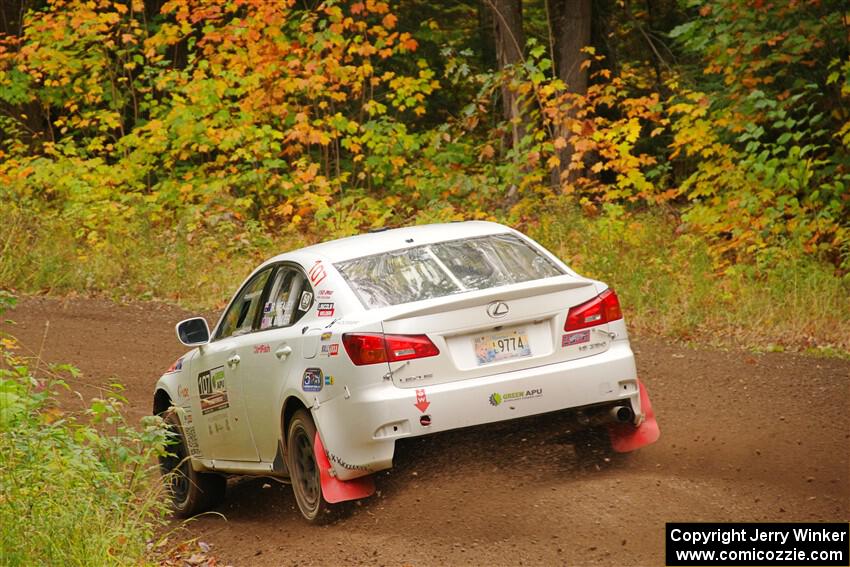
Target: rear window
(444, 268)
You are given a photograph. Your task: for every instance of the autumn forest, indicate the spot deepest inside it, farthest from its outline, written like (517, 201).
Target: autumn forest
(695, 154)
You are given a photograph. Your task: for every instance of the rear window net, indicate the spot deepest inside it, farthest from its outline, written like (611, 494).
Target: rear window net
(444, 268)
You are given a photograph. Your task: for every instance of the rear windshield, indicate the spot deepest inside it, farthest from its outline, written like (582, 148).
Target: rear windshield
(444, 268)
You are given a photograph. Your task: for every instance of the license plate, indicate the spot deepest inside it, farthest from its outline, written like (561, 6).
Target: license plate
(502, 346)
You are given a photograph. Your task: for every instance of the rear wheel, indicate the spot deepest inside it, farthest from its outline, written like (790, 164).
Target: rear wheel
(191, 492)
(304, 471)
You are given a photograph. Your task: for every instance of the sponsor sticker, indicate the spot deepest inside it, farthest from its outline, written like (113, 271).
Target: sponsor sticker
(575, 338)
(268, 307)
(325, 310)
(325, 293)
(329, 380)
(313, 380)
(261, 349)
(330, 350)
(182, 391)
(306, 300)
(326, 336)
(497, 398)
(212, 390)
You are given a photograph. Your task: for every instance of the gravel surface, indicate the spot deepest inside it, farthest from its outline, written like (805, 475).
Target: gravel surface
(744, 437)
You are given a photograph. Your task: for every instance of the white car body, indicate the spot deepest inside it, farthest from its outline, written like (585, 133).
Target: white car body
(233, 395)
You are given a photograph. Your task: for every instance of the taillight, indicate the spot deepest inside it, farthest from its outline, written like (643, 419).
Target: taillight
(603, 308)
(372, 348)
(365, 348)
(405, 347)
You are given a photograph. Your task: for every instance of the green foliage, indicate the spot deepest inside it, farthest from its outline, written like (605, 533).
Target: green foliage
(668, 286)
(772, 175)
(74, 490)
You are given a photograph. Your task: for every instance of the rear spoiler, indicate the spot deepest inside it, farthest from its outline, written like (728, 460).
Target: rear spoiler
(477, 298)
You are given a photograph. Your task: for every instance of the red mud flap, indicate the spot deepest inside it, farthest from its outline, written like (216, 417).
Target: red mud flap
(626, 437)
(335, 490)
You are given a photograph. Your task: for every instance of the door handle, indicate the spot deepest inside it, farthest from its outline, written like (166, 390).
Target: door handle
(283, 352)
(233, 360)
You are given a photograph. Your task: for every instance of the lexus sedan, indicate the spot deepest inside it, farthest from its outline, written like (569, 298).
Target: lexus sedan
(329, 354)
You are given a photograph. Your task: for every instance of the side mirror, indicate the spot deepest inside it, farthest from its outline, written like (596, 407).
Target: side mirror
(193, 332)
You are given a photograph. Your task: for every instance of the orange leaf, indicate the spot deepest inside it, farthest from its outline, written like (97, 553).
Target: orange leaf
(389, 21)
(410, 44)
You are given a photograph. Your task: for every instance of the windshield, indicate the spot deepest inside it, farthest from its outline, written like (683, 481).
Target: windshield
(444, 268)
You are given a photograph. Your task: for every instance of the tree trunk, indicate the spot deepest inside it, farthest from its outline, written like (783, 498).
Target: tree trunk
(510, 40)
(570, 23)
(486, 39)
(571, 27)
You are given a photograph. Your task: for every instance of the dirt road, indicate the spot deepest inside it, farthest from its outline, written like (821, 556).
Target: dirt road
(744, 437)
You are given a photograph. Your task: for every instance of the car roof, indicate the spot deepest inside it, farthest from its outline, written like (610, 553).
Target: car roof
(395, 239)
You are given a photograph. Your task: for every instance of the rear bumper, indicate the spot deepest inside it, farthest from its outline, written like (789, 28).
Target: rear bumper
(359, 431)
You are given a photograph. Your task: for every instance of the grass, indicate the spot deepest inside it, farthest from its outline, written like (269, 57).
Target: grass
(75, 489)
(667, 281)
(197, 269)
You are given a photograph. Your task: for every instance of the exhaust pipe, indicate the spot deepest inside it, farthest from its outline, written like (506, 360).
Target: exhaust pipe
(616, 414)
(622, 414)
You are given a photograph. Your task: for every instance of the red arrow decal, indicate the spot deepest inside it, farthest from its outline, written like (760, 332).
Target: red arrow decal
(422, 402)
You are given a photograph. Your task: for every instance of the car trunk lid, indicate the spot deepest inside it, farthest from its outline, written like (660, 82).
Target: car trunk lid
(494, 331)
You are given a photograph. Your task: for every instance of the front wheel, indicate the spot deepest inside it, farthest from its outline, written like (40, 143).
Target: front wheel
(304, 471)
(191, 492)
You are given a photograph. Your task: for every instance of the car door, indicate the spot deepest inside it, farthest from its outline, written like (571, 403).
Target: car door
(273, 355)
(223, 410)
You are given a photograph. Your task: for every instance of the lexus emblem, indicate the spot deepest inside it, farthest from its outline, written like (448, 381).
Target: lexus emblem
(497, 309)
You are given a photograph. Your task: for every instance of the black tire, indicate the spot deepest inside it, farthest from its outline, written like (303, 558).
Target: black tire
(191, 492)
(304, 471)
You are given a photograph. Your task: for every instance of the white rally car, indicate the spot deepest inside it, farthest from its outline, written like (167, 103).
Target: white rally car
(329, 354)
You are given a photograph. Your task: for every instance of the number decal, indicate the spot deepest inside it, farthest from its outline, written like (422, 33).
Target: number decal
(317, 273)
